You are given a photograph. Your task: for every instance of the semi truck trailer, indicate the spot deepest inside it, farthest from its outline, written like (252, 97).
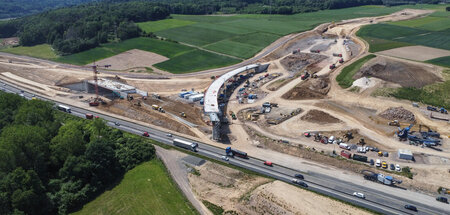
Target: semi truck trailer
(186, 144)
(234, 152)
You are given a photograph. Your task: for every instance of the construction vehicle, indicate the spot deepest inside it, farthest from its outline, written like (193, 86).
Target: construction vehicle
(304, 76)
(315, 51)
(443, 110)
(97, 99)
(234, 152)
(182, 114)
(332, 66)
(296, 51)
(431, 108)
(155, 107)
(341, 60)
(384, 179)
(337, 55)
(89, 116)
(394, 123)
(429, 133)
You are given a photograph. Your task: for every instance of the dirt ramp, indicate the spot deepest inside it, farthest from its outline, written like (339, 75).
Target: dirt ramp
(404, 74)
(315, 88)
(398, 113)
(317, 116)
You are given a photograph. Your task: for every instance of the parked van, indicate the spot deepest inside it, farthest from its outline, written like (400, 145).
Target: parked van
(378, 163)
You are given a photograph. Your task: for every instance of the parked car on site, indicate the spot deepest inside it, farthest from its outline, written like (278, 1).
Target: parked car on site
(268, 163)
(378, 163)
(392, 166)
(359, 195)
(145, 134)
(442, 199)
(300, 176)
(411, 207)
(397, 168)
(372, 162)
(384, 165)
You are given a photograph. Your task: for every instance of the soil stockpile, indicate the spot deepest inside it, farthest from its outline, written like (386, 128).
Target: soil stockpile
(297, 62)
(314, 88)
(317, 116)
(398, 113)
(404, 74)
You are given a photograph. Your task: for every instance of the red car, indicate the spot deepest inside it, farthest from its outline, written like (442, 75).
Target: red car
(145, 134)
(268, 163)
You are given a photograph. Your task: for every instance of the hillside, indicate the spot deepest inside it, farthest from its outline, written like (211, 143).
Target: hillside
(18, 8)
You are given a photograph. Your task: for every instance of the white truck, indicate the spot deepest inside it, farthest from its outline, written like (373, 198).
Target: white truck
(185, 144)
(64, 108)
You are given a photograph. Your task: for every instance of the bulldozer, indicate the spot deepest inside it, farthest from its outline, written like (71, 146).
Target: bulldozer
(394, 123)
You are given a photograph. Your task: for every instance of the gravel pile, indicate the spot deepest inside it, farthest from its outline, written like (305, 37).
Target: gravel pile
(398, 113)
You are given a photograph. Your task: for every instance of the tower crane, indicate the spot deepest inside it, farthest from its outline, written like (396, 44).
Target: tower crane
(96, 100)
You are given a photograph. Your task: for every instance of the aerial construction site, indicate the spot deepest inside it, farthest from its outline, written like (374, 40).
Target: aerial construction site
(284, 105)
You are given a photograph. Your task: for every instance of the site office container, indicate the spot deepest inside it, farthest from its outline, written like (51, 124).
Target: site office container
(346, 154)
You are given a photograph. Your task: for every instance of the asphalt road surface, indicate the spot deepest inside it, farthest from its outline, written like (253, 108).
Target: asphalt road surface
(386, 203)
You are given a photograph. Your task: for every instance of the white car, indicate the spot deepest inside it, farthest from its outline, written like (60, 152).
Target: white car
(378, 163)
(169, 135)
(397, 168)
(225, 158)
(359, 195)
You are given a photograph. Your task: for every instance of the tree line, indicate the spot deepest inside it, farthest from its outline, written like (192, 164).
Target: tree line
(53, 163)
(75, 29)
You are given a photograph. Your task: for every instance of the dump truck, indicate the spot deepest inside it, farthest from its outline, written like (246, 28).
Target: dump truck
(315, 51)
(332, 66)
(234, 152)
(394, 123)
(341, 60)
(337, 55)
(155, 107)
(305, 76)
(380, 178)
(186, 144)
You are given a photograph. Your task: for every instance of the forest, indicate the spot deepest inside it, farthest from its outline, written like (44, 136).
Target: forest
(53, 163)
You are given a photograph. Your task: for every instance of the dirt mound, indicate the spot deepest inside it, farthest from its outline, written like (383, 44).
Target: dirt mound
(297, 62)
(398, 113)
(301, 42)
(405, 74)
(320, 117)
(315, 88)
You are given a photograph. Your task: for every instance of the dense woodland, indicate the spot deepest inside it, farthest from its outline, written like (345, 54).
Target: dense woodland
(78, 28)
(75, 29)
(53, 163)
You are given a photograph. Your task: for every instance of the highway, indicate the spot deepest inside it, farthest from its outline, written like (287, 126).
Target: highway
(383, 202)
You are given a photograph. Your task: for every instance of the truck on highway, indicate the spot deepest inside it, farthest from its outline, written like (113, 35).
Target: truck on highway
(64, 108)
(380, 178)
(234, 152)
(186, 144)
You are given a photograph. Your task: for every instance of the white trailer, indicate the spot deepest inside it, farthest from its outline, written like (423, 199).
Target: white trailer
(185, 144)
(64, 108)
(197, 97)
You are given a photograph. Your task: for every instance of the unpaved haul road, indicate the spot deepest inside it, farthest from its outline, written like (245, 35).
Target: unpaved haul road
(383, 202)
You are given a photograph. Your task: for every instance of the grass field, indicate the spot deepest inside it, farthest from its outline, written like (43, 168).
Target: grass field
(432, 31)
(345, 78)
(146, 189)
(442, 61)
(161, 25)
(44, 51)
(195, 60)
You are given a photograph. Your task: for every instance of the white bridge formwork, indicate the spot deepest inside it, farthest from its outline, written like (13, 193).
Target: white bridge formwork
(211, 103)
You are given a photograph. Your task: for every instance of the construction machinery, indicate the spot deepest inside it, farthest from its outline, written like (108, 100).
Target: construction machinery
(233, 116)
(332, 66)
(443, 110)
(183, 114)
(394, 123)
(97, 99)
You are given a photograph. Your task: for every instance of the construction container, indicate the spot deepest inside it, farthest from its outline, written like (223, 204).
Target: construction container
(346, 154)
(183, 93)
(197, 97)
(187, 96)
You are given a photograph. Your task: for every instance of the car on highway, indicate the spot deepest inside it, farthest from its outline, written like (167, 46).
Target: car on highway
(268, 163)
(21, 95)
(359, 195)
(299, 176)
(384, 165)
(392, 166)
(169, 135)
(411, 207)
(225, 158)
(301, 183)
(117, 123)
(397, 168)
(145, 134)
(442, 199)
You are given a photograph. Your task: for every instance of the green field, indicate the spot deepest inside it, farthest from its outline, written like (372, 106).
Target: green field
(163, 24)
(44, 51)
(146, 189)
(442, 61)
(345, 78)
(432, 31)
(196, 60)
